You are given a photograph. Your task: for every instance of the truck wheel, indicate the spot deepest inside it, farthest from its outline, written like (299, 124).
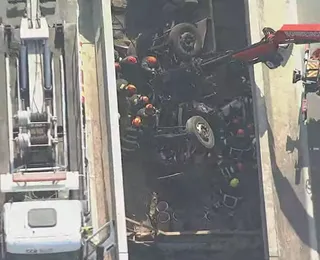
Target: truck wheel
(185, 40)
(198, 126)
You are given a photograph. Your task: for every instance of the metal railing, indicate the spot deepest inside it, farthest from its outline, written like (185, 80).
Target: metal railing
(104, 237)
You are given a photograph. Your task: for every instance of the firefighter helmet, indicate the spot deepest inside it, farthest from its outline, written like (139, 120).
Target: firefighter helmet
(151, 60)
(149, 109)
(240, 132)
(234, 182)
(137, 121)
(144, 99)
(131, 89)
(130, 59)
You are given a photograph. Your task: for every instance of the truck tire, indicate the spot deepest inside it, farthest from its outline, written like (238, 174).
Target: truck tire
(185, 41)
(201, 129)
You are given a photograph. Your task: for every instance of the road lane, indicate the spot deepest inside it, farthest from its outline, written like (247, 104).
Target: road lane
(293, 206)
(308, 13)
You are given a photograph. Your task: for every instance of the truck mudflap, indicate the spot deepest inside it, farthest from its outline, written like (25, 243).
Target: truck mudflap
(39, 181)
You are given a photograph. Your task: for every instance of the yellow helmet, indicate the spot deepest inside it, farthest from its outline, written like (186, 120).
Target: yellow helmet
(234, 182)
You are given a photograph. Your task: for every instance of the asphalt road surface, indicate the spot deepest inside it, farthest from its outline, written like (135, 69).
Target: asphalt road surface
(308, 14)
(295, 217)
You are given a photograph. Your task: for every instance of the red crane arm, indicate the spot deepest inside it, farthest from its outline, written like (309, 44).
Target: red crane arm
(288, 33)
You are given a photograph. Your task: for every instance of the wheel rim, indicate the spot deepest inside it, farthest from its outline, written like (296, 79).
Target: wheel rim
(187, 41)
(203, 131)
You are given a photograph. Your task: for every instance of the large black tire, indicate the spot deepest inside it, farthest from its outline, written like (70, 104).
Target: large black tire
(192, 127)
(181, 30)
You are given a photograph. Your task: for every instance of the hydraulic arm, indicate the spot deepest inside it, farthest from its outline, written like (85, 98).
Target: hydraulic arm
(267, 49)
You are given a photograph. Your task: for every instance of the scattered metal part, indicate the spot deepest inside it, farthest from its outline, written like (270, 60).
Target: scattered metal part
(207, 214)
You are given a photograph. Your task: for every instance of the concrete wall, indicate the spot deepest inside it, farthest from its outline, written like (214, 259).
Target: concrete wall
(102, 23)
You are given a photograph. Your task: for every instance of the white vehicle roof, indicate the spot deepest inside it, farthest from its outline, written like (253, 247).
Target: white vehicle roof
(43, 226)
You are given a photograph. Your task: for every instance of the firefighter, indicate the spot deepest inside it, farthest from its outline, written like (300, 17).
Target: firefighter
(150, 65)
(137, 121)
(234, 124)
(229, 183)
(239, 144)
(137, 102)
(231, 192)
(130, 70)
(149, 116)
(124, 91)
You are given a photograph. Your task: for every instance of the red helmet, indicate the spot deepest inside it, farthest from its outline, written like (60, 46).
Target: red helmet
(240, 132)
(144, 99)
(151, 60)
(130, 59)
(131, 88)
(137, 121)
(149, 109)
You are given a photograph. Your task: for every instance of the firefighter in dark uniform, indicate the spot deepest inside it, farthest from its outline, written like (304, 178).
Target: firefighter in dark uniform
(137, 102)
(124, 91)
(148, 115)
(130, 70)
(150, 65)
(239, 143)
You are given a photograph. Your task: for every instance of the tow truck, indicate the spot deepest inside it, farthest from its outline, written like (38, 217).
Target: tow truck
(43, 176)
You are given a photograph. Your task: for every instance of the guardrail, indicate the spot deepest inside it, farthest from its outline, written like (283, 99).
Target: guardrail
(94, 241)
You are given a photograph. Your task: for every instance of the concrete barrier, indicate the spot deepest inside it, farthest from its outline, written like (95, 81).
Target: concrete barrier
(258, 82)
(103, 40)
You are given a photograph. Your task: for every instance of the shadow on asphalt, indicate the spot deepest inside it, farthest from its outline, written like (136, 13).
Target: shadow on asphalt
(314, 144)
(290, 205)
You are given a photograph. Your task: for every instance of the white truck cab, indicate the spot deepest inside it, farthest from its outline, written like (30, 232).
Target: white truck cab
(42, 230)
